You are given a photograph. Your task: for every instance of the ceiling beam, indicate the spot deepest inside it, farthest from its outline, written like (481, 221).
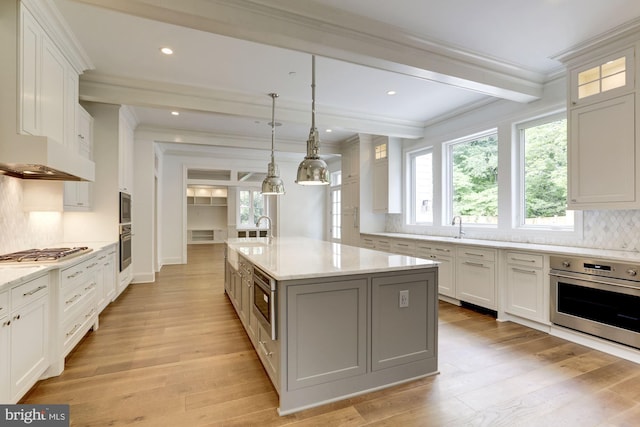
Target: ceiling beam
(317, 29)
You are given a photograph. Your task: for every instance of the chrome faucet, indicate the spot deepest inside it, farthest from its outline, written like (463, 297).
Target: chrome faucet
(453, 222)
(269, 228)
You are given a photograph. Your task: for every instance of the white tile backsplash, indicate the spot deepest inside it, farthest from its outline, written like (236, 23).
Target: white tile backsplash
(23, 230)
(610, 229)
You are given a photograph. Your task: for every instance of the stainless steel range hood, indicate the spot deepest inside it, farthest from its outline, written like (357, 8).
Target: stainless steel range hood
(39, 157)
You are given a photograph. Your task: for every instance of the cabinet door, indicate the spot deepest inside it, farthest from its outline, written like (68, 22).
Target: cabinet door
(380, 186)
(77, 196)
(476, 282)
(29, 346)
(5, 335)
(446, 281)
(52, 98)
(109, 272)
(525, 292)
(31, 48)
(350, 212)
(602, 155)
(315, 356)
(70, 102)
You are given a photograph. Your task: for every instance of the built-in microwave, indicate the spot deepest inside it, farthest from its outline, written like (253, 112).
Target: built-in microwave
(125, 208)
(264, 301)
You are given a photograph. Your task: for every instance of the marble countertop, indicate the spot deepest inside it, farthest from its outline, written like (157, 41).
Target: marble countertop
(11, 274)
(291, 258)
(609, 254)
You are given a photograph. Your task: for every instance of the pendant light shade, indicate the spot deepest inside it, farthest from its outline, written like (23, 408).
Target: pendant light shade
(272, 184)
(313, 170)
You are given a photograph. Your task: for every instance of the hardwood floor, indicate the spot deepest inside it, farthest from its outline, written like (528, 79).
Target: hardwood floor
(173, 353)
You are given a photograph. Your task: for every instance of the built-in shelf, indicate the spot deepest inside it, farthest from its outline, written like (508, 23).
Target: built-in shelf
(207, 236)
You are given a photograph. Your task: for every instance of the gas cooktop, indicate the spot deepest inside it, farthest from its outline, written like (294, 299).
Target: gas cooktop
(43, 255)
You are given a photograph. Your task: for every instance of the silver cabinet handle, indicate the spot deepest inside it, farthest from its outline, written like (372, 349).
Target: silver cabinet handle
(16, 317)
(523, 260)
(443, 250)
(91, 265)
(38, 289)
(519, 270)
(475, 264)
(71, 276)
(91, 286)
(472, 254)
(264, 349)
(7, 323)
(72, 299)
(89, 314)
(73, 331)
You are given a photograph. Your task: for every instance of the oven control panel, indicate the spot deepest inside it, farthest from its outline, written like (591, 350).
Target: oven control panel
(595, 267)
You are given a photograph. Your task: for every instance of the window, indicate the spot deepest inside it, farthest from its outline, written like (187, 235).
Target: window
(473, 178)
(336, 206)
(251, 206)
(543, 173)
(421, 186)
(381, 151)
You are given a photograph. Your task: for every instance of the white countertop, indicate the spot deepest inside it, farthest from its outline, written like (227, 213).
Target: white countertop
(613, 255)
(11, 274)
(291, 258)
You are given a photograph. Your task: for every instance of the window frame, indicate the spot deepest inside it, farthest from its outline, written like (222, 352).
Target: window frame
(447, 176)
(519, 205)
(252, 216)
(411, 185)
(335, 186)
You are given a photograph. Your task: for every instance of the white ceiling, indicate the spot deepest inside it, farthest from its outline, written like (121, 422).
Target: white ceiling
(440, 56)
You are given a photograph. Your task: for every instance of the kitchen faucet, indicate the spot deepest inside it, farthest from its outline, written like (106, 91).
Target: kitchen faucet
(269, 228)
(453, 222)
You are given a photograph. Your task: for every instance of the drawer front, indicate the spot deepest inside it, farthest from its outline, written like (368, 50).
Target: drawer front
(525, 259)
(367, 242)
(4, 304)
(83, 293)
(27, 292)
(483, 254)
(383, 245)
(75, 328)
(404, 247)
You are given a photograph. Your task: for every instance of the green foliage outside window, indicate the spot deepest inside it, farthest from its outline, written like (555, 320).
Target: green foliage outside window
(475, 179)
(545, 171)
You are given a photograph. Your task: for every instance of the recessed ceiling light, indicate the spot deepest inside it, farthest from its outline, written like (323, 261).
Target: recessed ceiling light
(328, 131)
(175, 113)
(166, 50)
(391, 92)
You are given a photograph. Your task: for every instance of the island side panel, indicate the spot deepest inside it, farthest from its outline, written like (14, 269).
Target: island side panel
(403, 320)
(308, 380)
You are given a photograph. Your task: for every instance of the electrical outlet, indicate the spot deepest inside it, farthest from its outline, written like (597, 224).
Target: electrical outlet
(404, 298)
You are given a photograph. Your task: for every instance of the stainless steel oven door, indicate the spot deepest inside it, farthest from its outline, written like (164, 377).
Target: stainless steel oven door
(264, 301)
(606, 308)
(125, 246)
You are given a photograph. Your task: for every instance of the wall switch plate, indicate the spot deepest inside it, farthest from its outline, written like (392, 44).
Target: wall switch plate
(404, 298)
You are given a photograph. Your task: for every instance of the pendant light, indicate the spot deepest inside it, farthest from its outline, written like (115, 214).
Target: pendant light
(272, 184)
(313, 170)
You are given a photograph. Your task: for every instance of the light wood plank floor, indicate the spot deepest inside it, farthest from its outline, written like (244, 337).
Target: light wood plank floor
(173, 353)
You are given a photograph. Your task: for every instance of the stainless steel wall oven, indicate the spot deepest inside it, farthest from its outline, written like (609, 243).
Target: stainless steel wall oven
(600, 298)
(125, 246)
(264, 301)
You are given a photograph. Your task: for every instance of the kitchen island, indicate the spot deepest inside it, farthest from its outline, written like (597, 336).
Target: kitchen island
(330, 321)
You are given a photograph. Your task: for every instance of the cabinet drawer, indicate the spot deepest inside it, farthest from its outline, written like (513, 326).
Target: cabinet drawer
(483, 254)
(383, 245)
(367, 242)
(75, 328)
(269, 354)
(80, 294)
(4, 304)
(424, 249)
(404, 247)
(27, 292)
(524, 259)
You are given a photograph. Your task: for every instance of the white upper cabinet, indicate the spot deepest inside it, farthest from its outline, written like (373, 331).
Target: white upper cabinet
(387, 175)
(49, 86)
(603, 151)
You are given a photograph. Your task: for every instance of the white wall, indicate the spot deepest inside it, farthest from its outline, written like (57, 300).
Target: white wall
(143, 212)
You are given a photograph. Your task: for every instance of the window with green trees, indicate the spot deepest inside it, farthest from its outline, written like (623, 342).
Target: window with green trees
(473, 168)
(543, 148)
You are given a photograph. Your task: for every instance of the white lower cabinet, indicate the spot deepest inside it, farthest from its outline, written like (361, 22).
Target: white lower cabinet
(525, 286)
(5, 339)
(444, 254)
(24, 335)
(476, 276)
(403, 247)
(269, 353)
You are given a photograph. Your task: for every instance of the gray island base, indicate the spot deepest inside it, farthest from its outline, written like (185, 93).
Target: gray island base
(347, 320)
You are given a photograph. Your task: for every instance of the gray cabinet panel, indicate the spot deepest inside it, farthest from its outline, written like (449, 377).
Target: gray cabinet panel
(327, 332)
(403, 334)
